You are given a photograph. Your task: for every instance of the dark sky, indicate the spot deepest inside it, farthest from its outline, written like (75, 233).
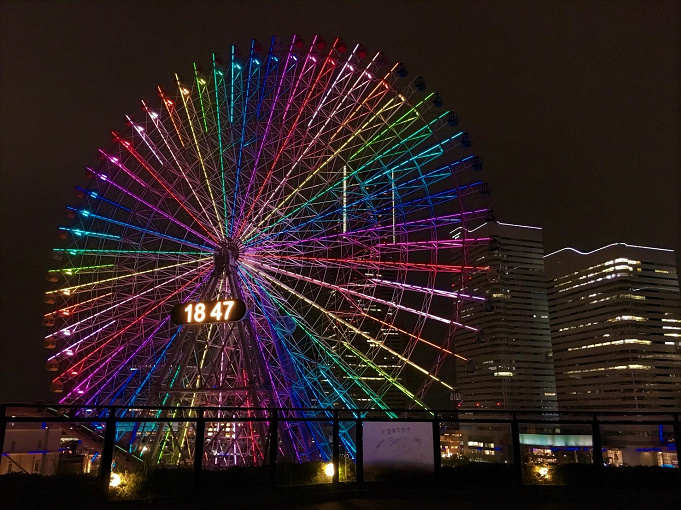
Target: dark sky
(573, 106)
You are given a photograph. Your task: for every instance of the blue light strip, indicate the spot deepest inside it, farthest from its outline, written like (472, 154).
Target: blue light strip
(427, 152)
(88, 214)
(97, 196)
(271, 65)
(287, 358)
(244, 117)
(78, 233)
(319, 393)
(442, 194)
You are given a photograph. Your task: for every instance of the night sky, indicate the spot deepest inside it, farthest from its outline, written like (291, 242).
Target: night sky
(573, 106)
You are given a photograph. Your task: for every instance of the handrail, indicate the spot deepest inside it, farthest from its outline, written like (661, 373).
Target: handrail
(275, 417)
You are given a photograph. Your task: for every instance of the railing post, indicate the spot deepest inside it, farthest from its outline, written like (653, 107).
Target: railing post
(107, 453)
(3, 425)
(336, 448)
(199, 438)
(596, 442)
(274, 447)
(517, 457)
(437, 456)
(359, 455)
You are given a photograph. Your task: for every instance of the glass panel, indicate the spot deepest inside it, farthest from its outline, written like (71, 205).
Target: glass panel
(639, 445)
(347, 451)
(38, 442)
(549, 450)
(309, 463)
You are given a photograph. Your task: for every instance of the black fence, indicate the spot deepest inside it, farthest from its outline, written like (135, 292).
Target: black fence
(442, 423)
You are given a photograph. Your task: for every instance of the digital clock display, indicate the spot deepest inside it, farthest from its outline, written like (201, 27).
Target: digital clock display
(205, 312)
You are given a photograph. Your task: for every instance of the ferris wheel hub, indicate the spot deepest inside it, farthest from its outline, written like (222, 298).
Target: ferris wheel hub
(227, 255)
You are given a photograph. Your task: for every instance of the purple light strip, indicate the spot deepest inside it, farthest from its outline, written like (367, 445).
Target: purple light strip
(428, 223)
(159, 357)
(242, 218)
(270, 374)
(124, 363)
(124, 345)
(437, 243)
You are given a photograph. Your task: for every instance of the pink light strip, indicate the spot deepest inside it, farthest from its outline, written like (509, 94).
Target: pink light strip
(244, 219)
(103, 177)
(427, 223)
(267, 131)
(375, 263)
(78, 366)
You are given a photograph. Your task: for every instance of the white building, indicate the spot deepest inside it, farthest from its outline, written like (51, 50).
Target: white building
(30, 448)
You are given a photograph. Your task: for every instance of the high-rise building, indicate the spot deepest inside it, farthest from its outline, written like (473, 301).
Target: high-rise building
(510, 364)
(615, 316)
(381, 358)
(374, 344)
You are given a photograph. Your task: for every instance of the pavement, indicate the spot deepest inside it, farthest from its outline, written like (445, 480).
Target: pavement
(391, 498)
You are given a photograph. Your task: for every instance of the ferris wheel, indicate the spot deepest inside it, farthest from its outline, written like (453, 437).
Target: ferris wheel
(320, 186)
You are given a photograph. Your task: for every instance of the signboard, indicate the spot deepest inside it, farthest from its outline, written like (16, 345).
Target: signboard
(206, 312)
(391, 447)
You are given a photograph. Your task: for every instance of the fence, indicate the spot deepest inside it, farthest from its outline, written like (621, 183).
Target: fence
(520, 439)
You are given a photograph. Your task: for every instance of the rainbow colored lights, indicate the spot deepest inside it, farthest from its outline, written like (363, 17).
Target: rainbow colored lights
(315, 184)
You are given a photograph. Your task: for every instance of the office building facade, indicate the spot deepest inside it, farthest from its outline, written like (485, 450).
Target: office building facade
(510, 364)
(615, 317)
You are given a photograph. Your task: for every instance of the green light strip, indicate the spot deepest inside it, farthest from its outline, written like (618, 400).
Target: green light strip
(411, 112)
(79, 233)
(81, 251)
(217, 73)
(420, 133)
(73, 270)
(98, 282)
(371, 340)
(351, 375)
(198, 151)
(347, 370)
(158, 414)
(359, 131)
(201, 81)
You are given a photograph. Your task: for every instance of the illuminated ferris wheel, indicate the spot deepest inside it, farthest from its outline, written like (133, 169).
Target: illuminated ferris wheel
(318, 185)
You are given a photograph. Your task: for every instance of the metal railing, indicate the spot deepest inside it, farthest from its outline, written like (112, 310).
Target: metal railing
(111, 416)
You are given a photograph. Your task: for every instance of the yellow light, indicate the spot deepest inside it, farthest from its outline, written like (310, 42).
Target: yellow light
(328, 469)
(543, 473)
(115, 480)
